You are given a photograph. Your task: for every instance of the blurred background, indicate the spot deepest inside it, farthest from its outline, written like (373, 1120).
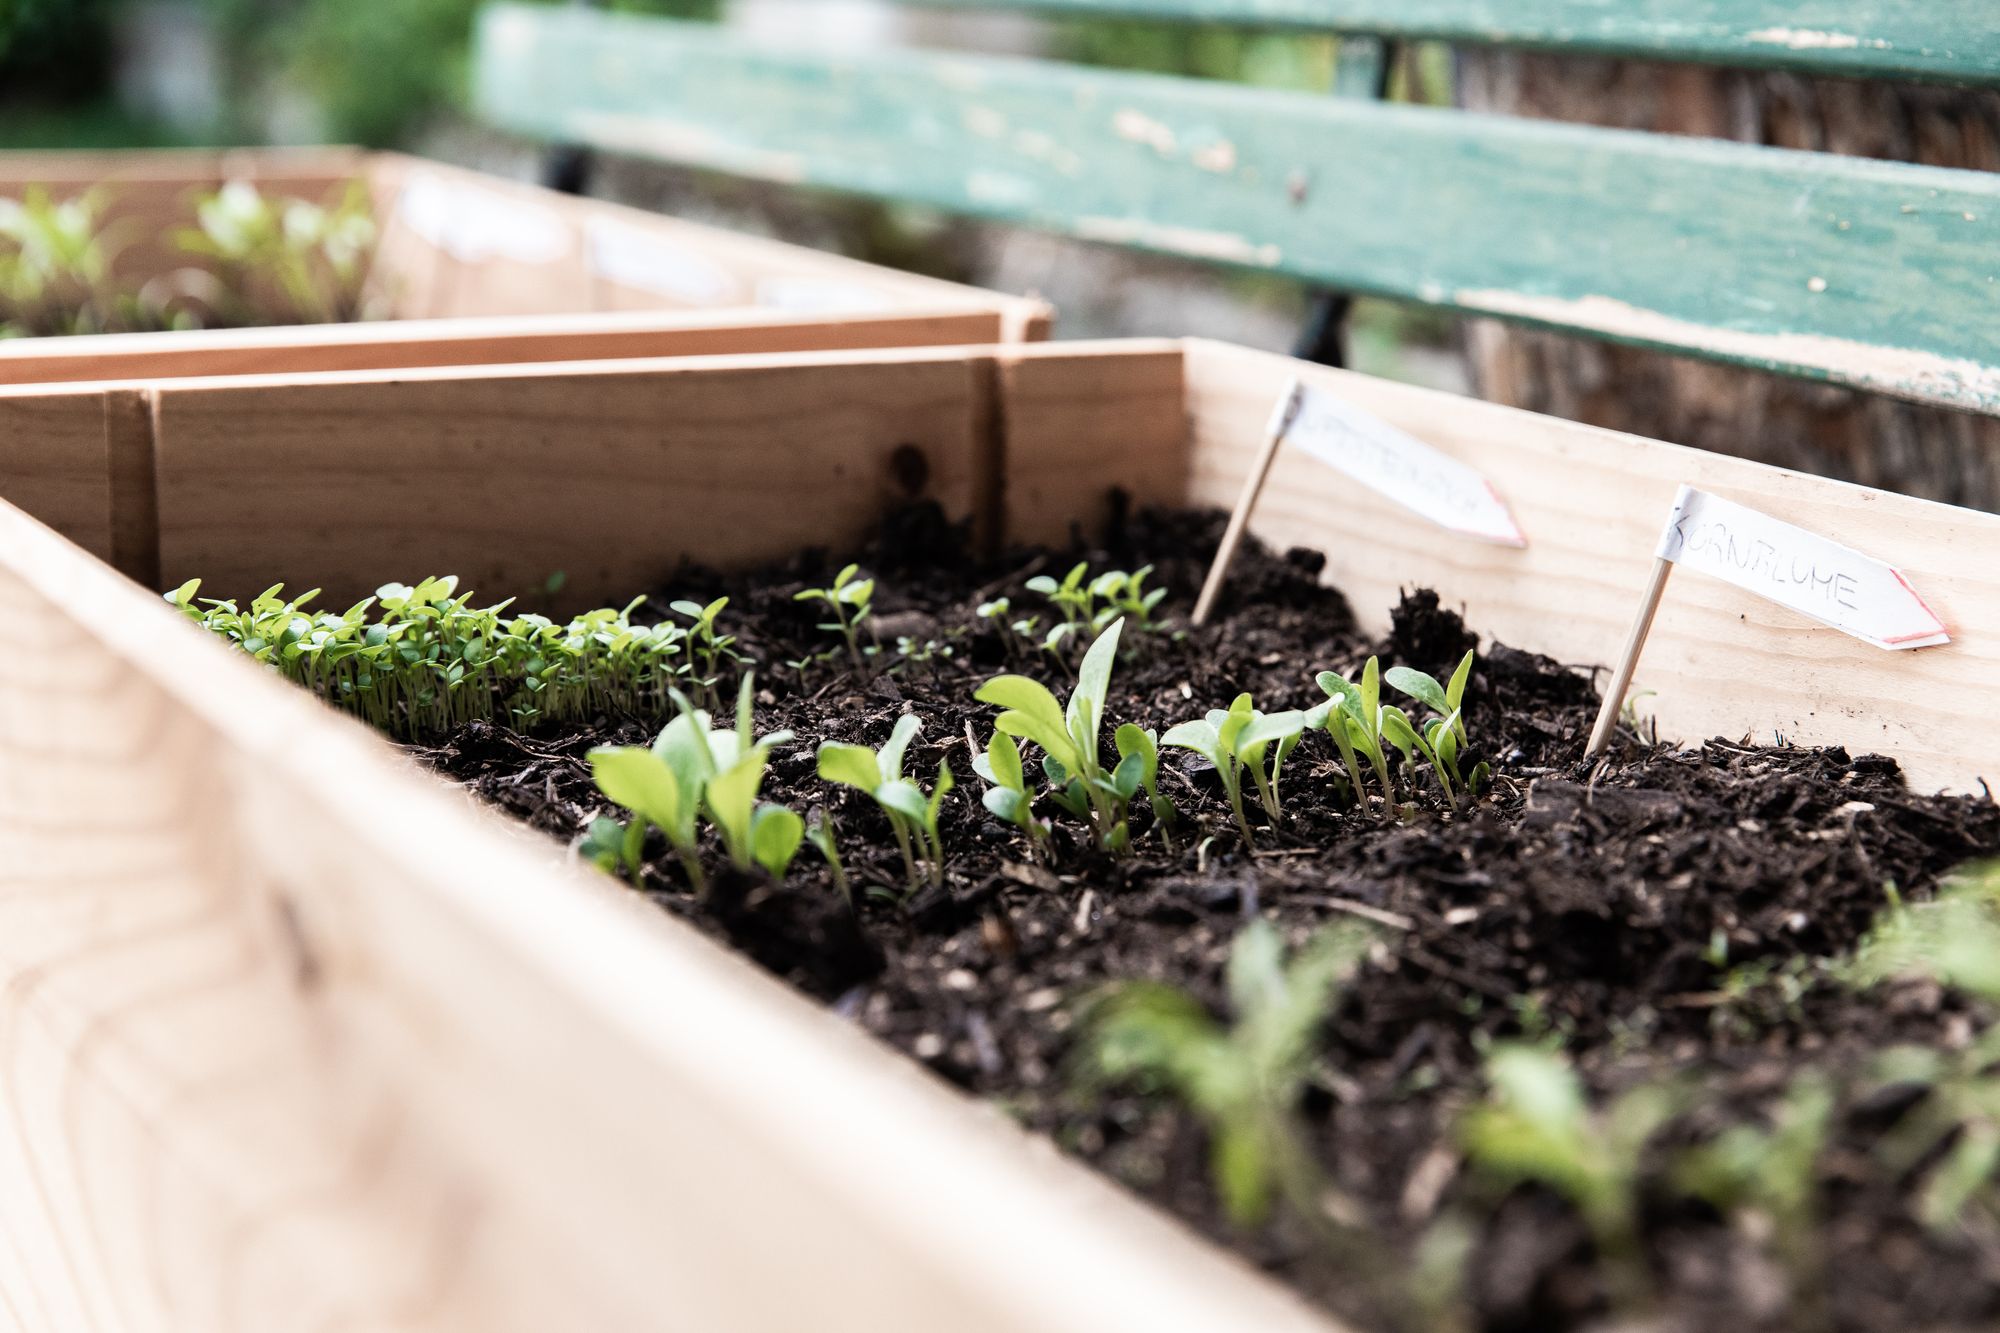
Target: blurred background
(392, 73)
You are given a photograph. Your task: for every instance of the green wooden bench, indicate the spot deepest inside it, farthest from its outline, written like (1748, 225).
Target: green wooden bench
(1877, 275)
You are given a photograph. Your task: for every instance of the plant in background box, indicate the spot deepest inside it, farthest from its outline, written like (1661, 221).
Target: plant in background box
(849, 600)
(55, 269)
(314, 257)
(1243, 1080)
(1068, 737)
(912, 815)
(1241, 739)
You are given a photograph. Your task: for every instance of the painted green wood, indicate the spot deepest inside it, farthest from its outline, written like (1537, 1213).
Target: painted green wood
(1952, 41)
(1868, 273)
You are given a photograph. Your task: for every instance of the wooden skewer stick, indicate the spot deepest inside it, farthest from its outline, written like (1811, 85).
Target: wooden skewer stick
(1281, 421)
(1628, 662)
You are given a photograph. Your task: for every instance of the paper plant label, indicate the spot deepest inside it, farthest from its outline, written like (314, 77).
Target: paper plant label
(1418, 476)
(1834, 584)
(645, 262)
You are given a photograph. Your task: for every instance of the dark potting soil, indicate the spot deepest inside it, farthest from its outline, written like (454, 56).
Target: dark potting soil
(1665, 914)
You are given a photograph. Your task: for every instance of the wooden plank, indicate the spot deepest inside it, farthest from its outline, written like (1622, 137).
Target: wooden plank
(1873, 274)
(1082, 420)
(609, 473)
(295, 1037)
(1950, 41)
(490, 246)
(55, 463)
(463, 342)
(1720, 662)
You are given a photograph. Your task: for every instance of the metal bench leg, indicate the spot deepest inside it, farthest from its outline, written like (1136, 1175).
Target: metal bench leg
(565, 166)
(1361, 69)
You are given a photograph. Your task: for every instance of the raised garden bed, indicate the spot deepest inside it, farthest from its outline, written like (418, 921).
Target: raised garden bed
(466, 1071)
(460, 269)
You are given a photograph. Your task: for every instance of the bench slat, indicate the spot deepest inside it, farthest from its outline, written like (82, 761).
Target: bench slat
(1952, 41)
(1879, 275)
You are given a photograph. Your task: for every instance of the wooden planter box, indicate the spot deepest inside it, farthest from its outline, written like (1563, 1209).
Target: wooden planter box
(296, 1036)
(479, 270)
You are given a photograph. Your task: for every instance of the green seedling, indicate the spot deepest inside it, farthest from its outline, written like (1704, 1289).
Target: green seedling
(1771, 1170)
(1537, 1126)
(707, 646)
(1953, 940)
(1442, 739)
(1241, 740)
(693, 768)
(1068, 737)
(1243, 1080)
(912, 815)
(1016, 635)
(754, 833)
(1952, 1135)
(1143, 744)
(1089, 604)
(849, 599)
(1007, 795)
(819, 832)
(1353, 716)
(616, 847)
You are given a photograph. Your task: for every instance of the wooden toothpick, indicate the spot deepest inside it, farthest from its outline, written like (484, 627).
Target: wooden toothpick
(1253, 486)
(1628, 662)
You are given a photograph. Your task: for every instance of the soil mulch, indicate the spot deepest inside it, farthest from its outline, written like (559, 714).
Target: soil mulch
(1671, 911)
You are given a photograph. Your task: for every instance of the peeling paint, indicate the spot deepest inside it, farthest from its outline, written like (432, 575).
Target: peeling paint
(1905, 372)
(985, 122)
(1812, 39)
(1218, 157)
(1043, 147)
(1221, 246)
(1142, 128)
(1000, 189)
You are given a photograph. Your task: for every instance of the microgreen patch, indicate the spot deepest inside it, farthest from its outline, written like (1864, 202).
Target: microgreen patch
(417, 660)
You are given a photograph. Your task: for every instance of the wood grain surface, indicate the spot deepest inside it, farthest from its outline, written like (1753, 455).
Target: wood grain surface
(293, 1037)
